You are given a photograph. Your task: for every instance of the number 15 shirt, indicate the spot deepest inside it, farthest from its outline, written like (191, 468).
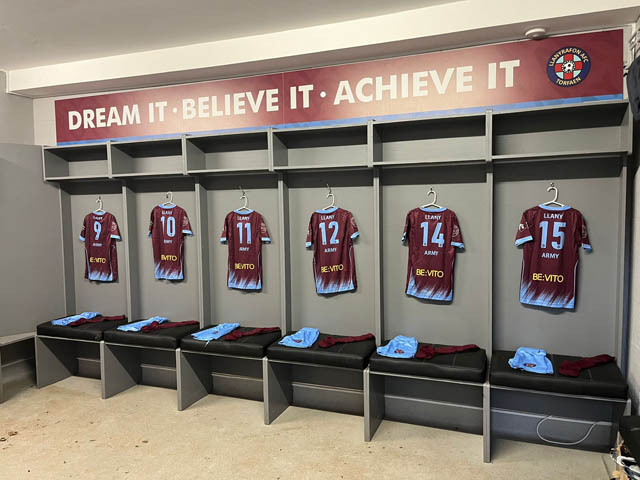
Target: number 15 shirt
(169, 224)
(331, 232)
(433, 236)
(551, 237)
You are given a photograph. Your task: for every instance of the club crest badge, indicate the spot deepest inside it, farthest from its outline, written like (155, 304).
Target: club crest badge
(568, 67)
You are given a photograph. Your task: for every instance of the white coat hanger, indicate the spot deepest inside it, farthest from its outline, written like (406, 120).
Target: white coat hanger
(99, 202)
(169, 196)
(333, 199)
(243, 197)
(555, 201)
(435, 198)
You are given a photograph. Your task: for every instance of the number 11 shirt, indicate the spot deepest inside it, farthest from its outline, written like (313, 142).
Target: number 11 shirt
(551, 237)
(169, 224)
(244, 231)
(331, 232)
(433, 236)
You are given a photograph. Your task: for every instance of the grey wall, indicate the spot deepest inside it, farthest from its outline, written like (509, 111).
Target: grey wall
(249, 308)
(590, 328)
(466, 319)
(16, 116)
(31, 288)
(633, 359)
(349, 313)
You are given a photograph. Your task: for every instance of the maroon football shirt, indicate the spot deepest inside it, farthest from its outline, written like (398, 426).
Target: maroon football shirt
(244, 231)
(551, 237)
(169, 224)
(434, 235)
(99, 234)
(331, 232)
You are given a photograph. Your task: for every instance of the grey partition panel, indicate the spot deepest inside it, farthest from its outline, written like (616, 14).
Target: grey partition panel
(177, 300)
(464, 190)
(592, 186)
(106, 297)
(31, 289)
(75, 161)
(250, 308)
(241, 151)
(347, 313)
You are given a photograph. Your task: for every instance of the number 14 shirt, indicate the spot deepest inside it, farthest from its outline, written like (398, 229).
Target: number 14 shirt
(169, 224)
(551, 237)
(433, 236)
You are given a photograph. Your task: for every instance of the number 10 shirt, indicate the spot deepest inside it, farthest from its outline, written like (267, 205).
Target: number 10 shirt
(169, 224)
(551, 237)
(433, 236)
(331, 232)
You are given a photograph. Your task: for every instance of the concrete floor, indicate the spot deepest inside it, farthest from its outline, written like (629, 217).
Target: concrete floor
(66, 431)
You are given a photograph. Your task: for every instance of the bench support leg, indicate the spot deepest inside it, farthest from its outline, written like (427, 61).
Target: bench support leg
(194, 378)
(119, 368)
(373, 403)
(486, 422)
(55, 361)
(278, 392)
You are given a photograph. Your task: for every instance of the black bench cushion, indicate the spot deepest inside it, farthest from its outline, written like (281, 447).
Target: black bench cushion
(161, 338)
(630, 433)
(347, 355)
(87, 331)
(252, 346)
(600, 381)
(464, 366)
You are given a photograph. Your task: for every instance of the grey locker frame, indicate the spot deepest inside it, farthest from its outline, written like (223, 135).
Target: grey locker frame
(125, 365)
(17, 360)
(202, 373)
(550, 134)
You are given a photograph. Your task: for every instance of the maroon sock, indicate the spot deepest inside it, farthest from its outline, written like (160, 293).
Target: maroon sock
(331, 341)
(573, 369)
(429, 351)
(237, 334)
(82, 321)
(158, 326)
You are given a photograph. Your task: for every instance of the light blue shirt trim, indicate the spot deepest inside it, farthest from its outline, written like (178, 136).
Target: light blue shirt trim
(117, 237)
(328, 210)
(187, 232)
(266, 239)
(549, 207)
(355, 235)
(457, 244)
(520, 241)
(95, 212)
(433, 209)
(169, 206)
(308, 244)
(587, 247)
(81, 238)
(243, 212)
(223, 239)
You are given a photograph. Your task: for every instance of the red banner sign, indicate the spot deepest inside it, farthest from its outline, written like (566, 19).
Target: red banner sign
(572, 68)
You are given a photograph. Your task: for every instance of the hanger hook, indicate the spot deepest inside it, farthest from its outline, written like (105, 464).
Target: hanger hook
(99, 202)
(242, 190)
(169, 196)
(552, 187)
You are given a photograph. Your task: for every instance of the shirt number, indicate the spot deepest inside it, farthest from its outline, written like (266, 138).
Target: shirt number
(170, 226)
(248, 227)
(97, 227)
(437, 237)
(334, 235)
(557, 233)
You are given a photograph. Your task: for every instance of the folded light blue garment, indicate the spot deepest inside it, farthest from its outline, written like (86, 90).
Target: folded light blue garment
(67, 320)
(303, 338)
(137, 326)
(399, 347)
(216, 332)
(531, 360)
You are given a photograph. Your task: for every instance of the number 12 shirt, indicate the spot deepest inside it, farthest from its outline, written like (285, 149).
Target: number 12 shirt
(433, 236)
(551, 237)
(169, 224)
(331, 232)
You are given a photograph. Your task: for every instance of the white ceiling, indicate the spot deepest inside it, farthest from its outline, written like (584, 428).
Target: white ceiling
(46, 32)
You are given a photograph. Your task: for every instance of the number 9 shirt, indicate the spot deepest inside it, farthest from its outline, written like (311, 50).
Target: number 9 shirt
(433, 236)
(551, 237)
(169, 224)
(331, 232)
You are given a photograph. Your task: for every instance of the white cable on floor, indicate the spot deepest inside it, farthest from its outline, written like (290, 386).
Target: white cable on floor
(566, 444)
